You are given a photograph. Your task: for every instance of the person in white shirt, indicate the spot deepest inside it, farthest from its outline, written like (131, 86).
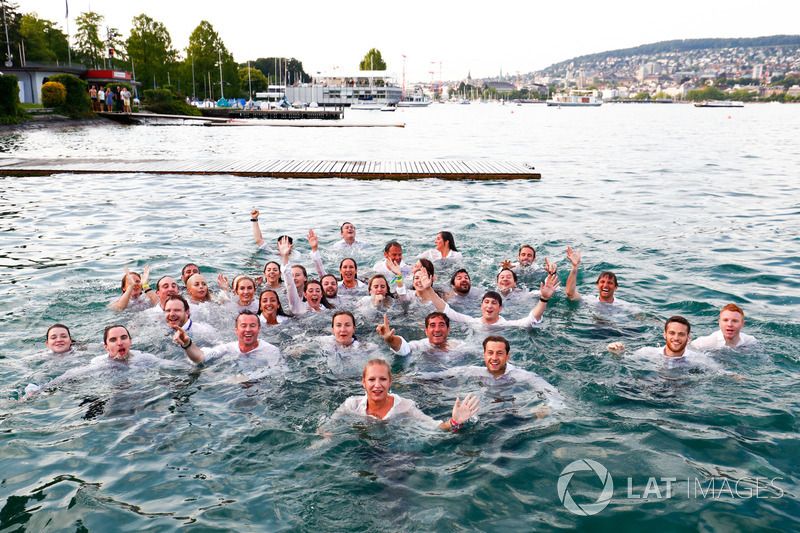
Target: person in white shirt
(270, 311)
(330, 286)
(348, 241)
(136, 293)
(461, 285)
(444, 248)
(380, 404)
(188, 271)
(58, 339)
(437, 330)
(492, 305)
(244, 293)
(393, 254)
(164, 287)
(606, 282)
(247, 327)
(350, 285)
(731, 322)
(178, 313)
(260, 242)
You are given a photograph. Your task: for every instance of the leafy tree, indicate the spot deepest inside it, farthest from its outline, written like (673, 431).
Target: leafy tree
(642, 96)
(707, 93)
(43, 41)
(77, 103)
(205, 49)
(743, 95)
(149, 47)
(372, 61)
(276, 68)
(256, 78)
(87, 38)
(13, 22)
(10, 110)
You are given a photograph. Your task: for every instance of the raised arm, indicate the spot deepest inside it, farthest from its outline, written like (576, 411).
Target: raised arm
(222, 281)
(462, 411)
(295, 302)
(124, 300)
(256, 228)
(313, 242)
(146, 289)
(571, 289)
(546, 289)
(195, 354)
(427, 291)
(388, 335)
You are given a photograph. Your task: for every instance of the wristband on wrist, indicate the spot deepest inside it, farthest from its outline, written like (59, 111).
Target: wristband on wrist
(186, 346)
(146, 286)
(148, 289)
(455, 426)
(397, 279)
(543, 300)
(253, 220)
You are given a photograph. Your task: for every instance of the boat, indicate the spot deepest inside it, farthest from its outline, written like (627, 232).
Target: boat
(358, 91)
(719, 103)
(415, 99)
(576, 98)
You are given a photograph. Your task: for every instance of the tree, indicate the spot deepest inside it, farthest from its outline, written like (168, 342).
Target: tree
(87, 38)
(256, 77)
(13, 22)
(372, 61)
(205, 49)
(149, 47)
(642, 96)
(43, 41)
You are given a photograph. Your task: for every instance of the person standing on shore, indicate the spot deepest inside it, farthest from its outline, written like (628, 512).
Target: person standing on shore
(109, 99)
(101, 99)
(118, 100)
(93, 97)
(126, 100)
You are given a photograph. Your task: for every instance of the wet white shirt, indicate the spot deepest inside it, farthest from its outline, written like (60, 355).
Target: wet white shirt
(716, 341)
(529, 321)
(402, 409)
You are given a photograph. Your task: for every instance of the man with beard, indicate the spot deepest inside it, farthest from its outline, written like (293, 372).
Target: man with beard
(677, 333)
(177, 313)
(437, 329)
(461, 285)
(330, 286)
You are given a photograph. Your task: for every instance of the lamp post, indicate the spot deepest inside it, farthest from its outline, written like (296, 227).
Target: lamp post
(221, 89)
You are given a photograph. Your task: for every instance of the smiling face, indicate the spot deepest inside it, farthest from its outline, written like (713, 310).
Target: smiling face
(272, 273)
(395, 254)
(175, 314)
(462, 284)
(137, 286)
(118, 343)
(58, 340)
(731, 323)
(505, 280)
(437, 331)
(348, 232)
(299, 278)
(330, 287)
(313, 295)
(376, 381)
(247, 328)
(246, 291)
(490, 310)
(189, 271)
(166, 286)
(197, 288)
(677, 337)
(496, 357)
(526, 256)
(419, 275)
(348, 270)
(606, 286)
(269, 303)
(343, 329)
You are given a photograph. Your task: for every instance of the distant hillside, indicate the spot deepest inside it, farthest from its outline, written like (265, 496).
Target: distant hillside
(682, 45)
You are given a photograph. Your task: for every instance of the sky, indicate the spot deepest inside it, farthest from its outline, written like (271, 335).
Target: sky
(453, 39)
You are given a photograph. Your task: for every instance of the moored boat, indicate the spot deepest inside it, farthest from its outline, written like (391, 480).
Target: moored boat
(719, 103)
(576, 98)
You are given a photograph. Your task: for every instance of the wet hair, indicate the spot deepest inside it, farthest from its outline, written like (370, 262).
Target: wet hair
(513, 274)
(459, 271)
(279, 311)
(187, 265)
(291, 241)
(54, 326)
(280, 279)
(428, 266)
(376, 362)
(329, 276)
(449, 239)
(341, 229)
(324, 301)
(531, 248)
(343, 312)
(109, 328)
(608, 274)
(390, 245)
(679, 320)
(388, 286)
(349, 259)
(494, 295)
(125, 280)
(247, 312)
(179, 298)
(208, 292)
(437, 314)
(302, 269)
(238, 279)
(158, 283)
(496, 338)
(732, 307)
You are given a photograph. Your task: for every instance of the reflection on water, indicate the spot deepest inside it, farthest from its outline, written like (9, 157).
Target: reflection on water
(686, 208)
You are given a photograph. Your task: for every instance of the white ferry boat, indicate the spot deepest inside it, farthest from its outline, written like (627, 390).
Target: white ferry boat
(415, 99)
(576, 98)
(371, 88)
(719, 103)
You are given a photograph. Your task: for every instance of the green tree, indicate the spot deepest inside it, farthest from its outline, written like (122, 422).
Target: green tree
(13, 22)
(372, 61)
(87, 38)
(149, 47)
(277, 69)
(205, 49)
(707, 93)
(642, 96)
(256, 78)
(43, 41)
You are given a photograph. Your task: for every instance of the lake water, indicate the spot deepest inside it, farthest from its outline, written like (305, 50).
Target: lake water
(692, 208)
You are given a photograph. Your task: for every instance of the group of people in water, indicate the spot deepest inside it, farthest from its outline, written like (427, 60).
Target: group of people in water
(266, 300)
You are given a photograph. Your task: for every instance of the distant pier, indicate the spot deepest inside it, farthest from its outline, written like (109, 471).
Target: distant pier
(277, 168)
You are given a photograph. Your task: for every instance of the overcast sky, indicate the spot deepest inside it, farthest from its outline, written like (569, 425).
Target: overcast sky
(478, 37)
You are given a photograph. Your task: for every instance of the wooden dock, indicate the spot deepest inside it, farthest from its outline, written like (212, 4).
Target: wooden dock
(277, 168)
